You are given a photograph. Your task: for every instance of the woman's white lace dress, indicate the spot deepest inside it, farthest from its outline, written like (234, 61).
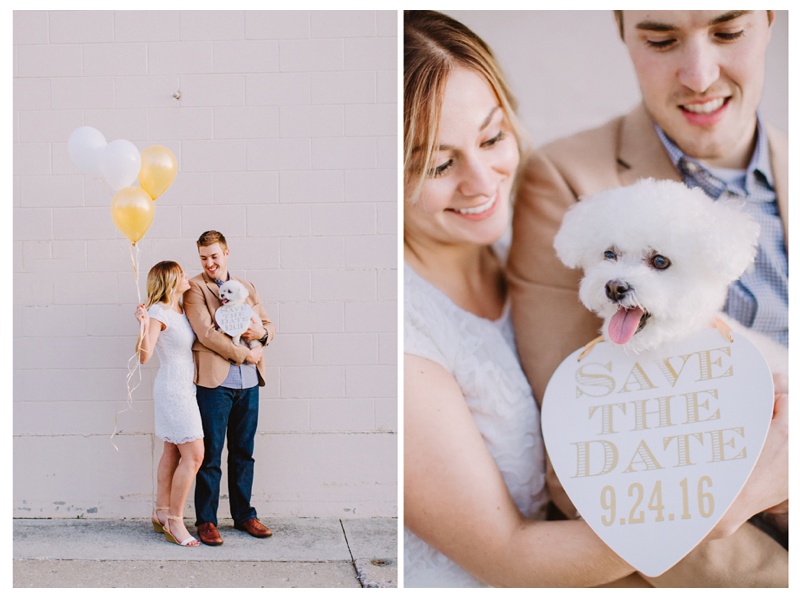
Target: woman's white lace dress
(482, 357)
(176, 413)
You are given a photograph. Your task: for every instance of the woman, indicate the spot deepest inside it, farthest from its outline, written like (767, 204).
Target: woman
(177, 417)
(474, 458)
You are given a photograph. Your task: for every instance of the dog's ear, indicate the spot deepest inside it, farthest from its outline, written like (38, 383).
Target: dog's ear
(735, 235)
(572, 243)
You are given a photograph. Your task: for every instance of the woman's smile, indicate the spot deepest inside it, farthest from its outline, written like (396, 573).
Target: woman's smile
(479, 212)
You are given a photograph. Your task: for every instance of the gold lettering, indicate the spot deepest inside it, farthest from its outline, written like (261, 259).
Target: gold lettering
(645, 457)
(664, 413)
(602, 382)
(639, 377)
(682, 443)
(718, 444)
(606, 416)
(693, 406)
(669, 372)
(706, 364)
(610, 458)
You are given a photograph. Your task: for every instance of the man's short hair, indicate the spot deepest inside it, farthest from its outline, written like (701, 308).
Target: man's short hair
(618, 17)
(621, 27)
(210, 237)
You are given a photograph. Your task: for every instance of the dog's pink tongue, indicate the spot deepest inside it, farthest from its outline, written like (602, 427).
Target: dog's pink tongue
(624, 323)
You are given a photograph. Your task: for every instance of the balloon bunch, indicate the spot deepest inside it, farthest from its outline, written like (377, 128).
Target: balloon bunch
(120, 164)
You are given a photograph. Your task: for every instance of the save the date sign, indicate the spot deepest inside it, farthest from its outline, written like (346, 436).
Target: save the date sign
(652, 449)
(234, 319)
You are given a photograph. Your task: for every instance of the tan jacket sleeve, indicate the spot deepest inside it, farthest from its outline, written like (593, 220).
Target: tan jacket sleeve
(549, 320)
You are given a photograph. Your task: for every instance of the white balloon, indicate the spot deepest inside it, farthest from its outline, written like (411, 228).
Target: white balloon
(120, 163)
(85, 146)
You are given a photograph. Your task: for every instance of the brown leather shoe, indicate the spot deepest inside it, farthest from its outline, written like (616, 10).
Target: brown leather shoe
(208, 534)
(254, 527)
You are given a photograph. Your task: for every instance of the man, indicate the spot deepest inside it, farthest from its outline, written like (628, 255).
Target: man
(701, 76)
(227, 377)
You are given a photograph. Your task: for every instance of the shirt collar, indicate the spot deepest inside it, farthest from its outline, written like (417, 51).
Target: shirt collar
(759, 161)
(221, 282)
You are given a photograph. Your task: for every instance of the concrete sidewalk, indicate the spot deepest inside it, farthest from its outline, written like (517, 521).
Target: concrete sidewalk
(306, 553)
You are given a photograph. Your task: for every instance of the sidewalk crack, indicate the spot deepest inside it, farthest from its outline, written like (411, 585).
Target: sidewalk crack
(350, 551)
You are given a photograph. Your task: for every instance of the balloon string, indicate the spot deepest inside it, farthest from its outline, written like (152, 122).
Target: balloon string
(109, 187)
(134, 377)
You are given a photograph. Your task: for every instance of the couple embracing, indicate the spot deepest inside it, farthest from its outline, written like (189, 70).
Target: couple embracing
(486, 322)
(206, 387)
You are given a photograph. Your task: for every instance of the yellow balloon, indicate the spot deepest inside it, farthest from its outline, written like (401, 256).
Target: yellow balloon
(132, 211)
(159, 167)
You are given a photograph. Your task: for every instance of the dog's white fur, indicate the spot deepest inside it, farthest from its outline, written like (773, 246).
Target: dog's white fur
(232, 293)
(709, 245)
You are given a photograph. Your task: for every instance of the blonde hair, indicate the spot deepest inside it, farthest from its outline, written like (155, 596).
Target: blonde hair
(162, 282)
(435, 44)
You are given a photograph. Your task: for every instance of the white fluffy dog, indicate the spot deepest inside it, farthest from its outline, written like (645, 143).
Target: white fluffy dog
(233, 292)
(234, 312)
(658, 258)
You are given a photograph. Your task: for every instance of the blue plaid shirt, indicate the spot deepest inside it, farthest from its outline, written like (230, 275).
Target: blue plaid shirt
(239, 376)
(760, 298)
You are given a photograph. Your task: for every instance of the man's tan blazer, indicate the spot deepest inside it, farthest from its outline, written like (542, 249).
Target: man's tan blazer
(549, 320)
(213, 351)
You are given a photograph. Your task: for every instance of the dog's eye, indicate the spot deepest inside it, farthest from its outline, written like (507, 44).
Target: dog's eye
(610, 255)
(659, 262)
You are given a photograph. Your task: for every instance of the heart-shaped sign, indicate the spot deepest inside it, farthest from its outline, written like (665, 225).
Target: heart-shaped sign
(233, 319)
(652, 449)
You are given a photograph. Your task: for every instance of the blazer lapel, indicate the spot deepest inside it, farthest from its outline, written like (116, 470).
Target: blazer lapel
(212, 286)
(641, 153)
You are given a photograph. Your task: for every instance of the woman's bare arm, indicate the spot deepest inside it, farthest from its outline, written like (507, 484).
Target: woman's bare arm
(457, 501)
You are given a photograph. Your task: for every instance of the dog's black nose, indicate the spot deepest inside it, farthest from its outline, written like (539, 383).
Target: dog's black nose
(616, 289)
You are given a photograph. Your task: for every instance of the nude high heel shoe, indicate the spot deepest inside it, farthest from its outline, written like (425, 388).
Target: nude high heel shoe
(157, 525)
(190, 541)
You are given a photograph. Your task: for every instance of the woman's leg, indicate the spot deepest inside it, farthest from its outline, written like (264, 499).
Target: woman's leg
(166, 469)
(191, 456)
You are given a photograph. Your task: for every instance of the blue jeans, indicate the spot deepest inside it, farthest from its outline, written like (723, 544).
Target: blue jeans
(234, 411)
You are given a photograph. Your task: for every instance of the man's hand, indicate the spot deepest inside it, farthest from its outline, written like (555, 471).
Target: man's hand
(255, 332)
(767, 488)
(255, 354)
(781, 404)
(781, 383)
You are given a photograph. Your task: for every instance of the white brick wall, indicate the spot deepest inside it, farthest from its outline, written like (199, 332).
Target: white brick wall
(285, 133)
